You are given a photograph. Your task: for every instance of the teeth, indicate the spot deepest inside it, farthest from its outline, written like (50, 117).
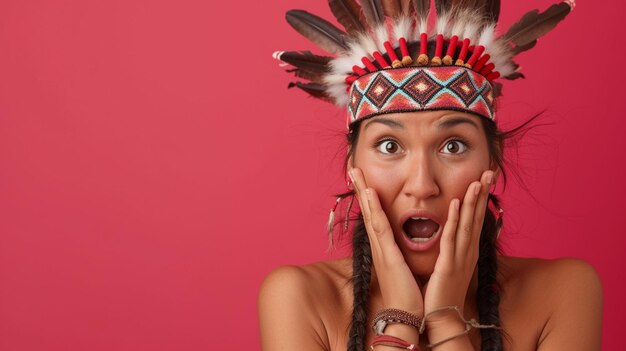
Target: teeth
(421, 240)
(418, 218)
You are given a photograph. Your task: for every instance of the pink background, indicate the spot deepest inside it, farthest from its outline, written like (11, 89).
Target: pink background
(154, 168)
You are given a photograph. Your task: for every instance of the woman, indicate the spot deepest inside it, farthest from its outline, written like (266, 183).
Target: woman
(424, 151)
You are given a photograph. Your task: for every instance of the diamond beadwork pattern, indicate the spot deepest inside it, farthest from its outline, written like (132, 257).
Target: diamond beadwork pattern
(380, 90)
(464, 88)
(421, 87)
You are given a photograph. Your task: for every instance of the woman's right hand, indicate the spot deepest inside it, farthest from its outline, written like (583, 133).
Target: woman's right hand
(398, 287)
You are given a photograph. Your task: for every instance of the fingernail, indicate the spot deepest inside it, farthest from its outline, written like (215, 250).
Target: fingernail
(490, 178)
(456, 204)
(350, 174)
(477, 189)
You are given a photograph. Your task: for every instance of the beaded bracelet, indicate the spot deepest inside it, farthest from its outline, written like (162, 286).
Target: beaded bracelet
(388, 340)
(472, 323)
(393, 315)
(469, 324)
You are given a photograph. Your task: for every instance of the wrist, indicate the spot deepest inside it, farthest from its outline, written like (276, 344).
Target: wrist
(443, 328)
(404, 332)
(444, 321)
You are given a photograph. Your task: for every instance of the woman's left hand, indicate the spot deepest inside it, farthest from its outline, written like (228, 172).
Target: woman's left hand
(458, 255)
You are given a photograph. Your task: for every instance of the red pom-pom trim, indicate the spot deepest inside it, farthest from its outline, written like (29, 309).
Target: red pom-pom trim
(464, 50)
(487, 69)
(358, 70)
(391, 52)
(351, 78)
(381, 60)
(424, 44)
(493, 75)
(452, 46)
(481, 62)
(439, 45)
(368, 64)
(403, 47)
(478, 50)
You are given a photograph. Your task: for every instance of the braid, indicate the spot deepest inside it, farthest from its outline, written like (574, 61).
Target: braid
(488, 294)
(487, 297)
(361, 277)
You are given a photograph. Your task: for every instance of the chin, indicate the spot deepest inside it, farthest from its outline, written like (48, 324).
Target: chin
(421, 264)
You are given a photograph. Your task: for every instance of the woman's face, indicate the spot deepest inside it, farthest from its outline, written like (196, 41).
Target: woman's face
(417, 163)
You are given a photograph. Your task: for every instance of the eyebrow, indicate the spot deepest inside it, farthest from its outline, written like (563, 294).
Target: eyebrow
(452, 122)
(386, 121)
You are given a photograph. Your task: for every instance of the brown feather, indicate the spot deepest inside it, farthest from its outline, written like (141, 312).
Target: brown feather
(492, 10)
(497, 89)
(392, 8)
(422, 8)
(310, 76)
(452, 7)
(534, 24)
(519, 49)
(373, 11)
(514, 75)
(489, 9)
(314, 89)
(348, 13)
(307, 65)
(407, 6)
(442, 6)
(318, 30)
(306, 61)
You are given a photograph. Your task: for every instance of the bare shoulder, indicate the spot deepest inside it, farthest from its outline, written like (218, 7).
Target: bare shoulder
(562, 298)
(299, 303)
(533, 275)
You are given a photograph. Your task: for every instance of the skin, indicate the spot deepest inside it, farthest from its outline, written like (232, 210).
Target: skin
(436, 161)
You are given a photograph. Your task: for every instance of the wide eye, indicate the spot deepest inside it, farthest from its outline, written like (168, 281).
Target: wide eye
(388, 147)
(454, 147)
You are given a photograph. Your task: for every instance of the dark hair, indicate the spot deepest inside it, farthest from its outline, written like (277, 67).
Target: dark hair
(488, 292)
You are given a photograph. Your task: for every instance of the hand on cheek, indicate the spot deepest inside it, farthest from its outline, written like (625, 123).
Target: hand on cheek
(459, 247)
(397, 284)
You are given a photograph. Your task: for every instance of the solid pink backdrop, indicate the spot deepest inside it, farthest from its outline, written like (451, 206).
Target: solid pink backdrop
(154, 167)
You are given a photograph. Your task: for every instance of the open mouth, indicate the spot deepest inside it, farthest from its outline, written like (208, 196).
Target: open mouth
(420, 229)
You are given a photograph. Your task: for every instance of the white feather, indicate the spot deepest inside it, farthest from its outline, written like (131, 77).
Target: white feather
(442, 23)
(338, 93)
(335, 78)
(501, 56)
(457, 27)
(505, 69)
(367, 44)
(381, 37)
(423, 26)
(487, 35)
(341, 65)
(402, 29)
(470, 32)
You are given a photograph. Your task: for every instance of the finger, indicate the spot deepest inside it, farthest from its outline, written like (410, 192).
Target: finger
(359, 186)
(481, 205)
(466, 225)
(377, 225)
(378, 221)
(448, 235)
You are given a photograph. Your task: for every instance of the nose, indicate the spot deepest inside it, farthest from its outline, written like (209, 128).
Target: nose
(421, 178)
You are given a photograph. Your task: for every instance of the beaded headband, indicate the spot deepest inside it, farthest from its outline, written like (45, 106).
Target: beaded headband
(389, 59)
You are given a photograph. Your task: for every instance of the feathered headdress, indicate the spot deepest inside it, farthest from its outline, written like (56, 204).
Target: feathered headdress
(393, 57)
